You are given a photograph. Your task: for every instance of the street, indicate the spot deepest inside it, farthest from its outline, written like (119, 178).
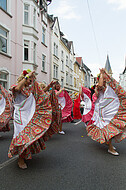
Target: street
(70, 162)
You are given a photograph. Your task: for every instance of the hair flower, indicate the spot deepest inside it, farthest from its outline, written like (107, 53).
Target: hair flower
(25, 72)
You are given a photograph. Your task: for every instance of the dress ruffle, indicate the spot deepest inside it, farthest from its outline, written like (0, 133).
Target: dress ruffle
(66, 111)
(44, 123)
(116, 127)
(7, 113)
(89, 106)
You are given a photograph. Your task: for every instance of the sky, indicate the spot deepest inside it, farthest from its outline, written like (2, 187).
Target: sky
(97, 28)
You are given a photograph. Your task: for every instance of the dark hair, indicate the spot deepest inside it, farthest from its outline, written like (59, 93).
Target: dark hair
(56, 84)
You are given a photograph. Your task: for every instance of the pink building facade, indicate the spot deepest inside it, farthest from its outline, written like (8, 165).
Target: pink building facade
(25, 40)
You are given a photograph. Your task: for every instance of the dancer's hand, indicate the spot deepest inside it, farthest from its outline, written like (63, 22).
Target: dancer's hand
(102, 71)
(31, 74)
(52, 83)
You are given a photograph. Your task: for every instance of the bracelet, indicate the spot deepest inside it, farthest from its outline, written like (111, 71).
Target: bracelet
(26, 77)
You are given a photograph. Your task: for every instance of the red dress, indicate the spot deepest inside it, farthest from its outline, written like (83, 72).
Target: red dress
(76, 109)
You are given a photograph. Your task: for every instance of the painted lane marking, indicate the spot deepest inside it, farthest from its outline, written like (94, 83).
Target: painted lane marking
(77, 122)
(6, 163)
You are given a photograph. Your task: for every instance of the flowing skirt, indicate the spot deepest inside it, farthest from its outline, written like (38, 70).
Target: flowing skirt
(37, 123)
(6, 109)
(109, 119)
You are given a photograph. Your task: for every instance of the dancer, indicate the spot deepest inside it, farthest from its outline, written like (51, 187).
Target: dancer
(109, 118)
(56, 118)
(86, 95)
(65, 103)
(76, 108)
(32, 118)
(6, 109)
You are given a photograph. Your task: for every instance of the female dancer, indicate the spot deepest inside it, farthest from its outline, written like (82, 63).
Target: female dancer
(76, 108)
(109, 118)
(6, 109)
(61, 103)
(32, 118)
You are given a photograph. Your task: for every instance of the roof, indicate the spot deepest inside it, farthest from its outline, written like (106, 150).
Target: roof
(108, 66)
(79, 60)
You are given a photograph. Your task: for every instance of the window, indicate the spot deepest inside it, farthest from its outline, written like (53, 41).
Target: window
(62, 61)
(75, 83)
(34, 18)
(34, 53)
(43, 35)
(55, 49)
(26, 50)
(67, 78)
(71, 79)
(70, 64)
(67, 60)
(43, 62)
(55, 71)
(62, 82)
(3, 4)
(26, 14)
(62, 65)
(62, 55)
(3, 40)
(3, 78)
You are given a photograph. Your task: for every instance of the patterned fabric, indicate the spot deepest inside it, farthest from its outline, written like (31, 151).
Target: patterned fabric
(116, 127)
(43, 124)
(7, 113)
(89, 105)
(76, 109)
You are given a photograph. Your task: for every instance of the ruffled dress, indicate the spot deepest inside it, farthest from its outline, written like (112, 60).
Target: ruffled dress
(34, 121)
(6, 109)
(88, 105)
(76, 109)
(66, 106)
(109, 118)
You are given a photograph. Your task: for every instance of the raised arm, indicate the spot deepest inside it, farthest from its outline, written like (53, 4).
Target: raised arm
(23, 81)
(48, 87)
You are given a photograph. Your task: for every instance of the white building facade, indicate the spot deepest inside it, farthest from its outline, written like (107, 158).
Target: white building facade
(122, 77)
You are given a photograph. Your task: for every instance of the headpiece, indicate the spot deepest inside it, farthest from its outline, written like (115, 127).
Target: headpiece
(25, 72)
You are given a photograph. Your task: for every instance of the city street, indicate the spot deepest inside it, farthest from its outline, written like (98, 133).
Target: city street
(70, 162)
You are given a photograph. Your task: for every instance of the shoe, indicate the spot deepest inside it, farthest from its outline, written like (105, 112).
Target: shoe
(62, 132)
(114, 153)
(114, 147)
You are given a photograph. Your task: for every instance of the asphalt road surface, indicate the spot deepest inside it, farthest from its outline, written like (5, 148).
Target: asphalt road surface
(70, 162)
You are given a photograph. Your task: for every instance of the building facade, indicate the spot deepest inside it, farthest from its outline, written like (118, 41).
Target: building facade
(30, 38)
(25, 40)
